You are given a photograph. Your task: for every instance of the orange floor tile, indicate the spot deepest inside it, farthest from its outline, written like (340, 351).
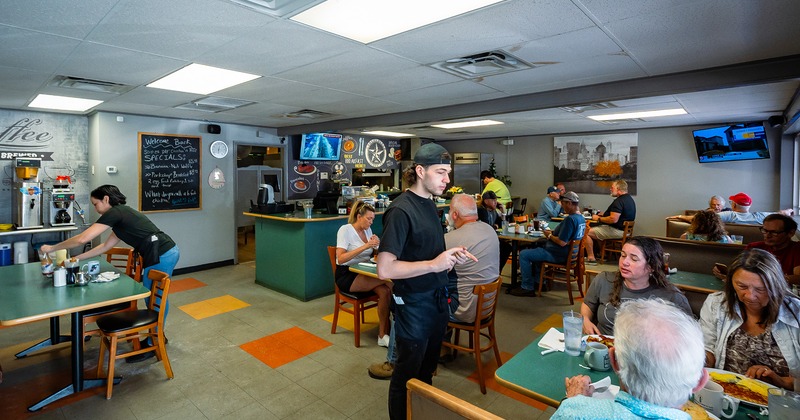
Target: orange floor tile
(286, 346)
(183, 285)
(489, 369)
(552, 321)
(215, 306)
(346, 320)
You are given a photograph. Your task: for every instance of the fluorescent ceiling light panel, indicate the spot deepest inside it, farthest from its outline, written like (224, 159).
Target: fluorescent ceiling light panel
(202, 80)
(387, 133)
(643, 114)
(63, 103)
(478, 123)
(370, 20)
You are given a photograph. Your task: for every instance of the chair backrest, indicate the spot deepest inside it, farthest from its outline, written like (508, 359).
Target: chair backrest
(332, 256)
(574, 253)
(487, 299)
(521, 219)
(158, 292)
(627, 230)
(426, 402)
(125, 260)
(522, 205)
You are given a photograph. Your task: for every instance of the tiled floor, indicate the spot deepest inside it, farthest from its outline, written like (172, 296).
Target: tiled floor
(241, 350)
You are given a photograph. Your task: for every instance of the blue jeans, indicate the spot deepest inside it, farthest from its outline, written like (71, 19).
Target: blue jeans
(167, 262)
(530, 264)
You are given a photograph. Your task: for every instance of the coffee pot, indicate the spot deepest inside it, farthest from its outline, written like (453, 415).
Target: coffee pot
(266, 195)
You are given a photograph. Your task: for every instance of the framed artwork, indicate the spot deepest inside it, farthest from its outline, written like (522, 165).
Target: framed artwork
(590, 163)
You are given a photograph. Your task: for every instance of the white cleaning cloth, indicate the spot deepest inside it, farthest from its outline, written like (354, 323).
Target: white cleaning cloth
(106, 276)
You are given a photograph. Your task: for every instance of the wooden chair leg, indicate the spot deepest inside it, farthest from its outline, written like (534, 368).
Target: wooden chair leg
(100, 360)
(112, 352)
(569, 290)
(475, 338)
(456, 337)
(357, 324)
(162, 354)
(494, 345)
(335, 317)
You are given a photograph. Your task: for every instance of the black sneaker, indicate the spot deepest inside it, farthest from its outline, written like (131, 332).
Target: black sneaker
(524, 292)
(136, 358)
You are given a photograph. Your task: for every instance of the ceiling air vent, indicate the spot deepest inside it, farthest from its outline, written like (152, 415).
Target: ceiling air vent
(483, 64)
(212, 104)
(69, 82)
(577, 109)
(307, 113)
(277, 8)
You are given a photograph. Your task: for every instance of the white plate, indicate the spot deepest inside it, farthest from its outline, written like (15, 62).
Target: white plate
(300, 185)
(305, 166)
(744, 377)
(536, 233)
(583, 339)
(373, 260)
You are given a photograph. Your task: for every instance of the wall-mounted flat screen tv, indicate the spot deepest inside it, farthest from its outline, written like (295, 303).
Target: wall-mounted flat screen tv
(725, 143)
(320, 146)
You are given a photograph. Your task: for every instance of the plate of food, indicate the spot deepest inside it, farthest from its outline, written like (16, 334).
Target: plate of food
(697, 412)
(536, 233)
(373, 260)
(608, 340)
(747, 390)
(300, 185)
(305, 169)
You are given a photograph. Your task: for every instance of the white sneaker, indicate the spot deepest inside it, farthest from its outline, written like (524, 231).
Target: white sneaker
(383, 341)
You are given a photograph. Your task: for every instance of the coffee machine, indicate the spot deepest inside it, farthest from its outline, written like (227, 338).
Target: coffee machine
(26, 200)
(62, 202)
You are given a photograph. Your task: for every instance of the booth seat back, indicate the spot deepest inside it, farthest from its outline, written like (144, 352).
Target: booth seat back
(750, 233)
(698, 256)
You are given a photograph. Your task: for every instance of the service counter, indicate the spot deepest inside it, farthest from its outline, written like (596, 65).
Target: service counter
(292, 251)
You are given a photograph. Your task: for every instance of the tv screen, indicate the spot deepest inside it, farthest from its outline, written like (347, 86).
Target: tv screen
(731, 142)
(320, 146)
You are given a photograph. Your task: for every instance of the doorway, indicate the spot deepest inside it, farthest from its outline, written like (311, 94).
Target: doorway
(254, 165)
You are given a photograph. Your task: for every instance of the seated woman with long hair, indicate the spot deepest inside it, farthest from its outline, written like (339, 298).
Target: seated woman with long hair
(355, 243)
(640, 276)
(752, 327)
(706, 226)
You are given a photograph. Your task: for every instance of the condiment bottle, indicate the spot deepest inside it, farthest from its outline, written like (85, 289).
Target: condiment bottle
(47, 264)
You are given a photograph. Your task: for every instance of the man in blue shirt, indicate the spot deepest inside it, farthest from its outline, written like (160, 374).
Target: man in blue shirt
(555, 249)
(550, 207)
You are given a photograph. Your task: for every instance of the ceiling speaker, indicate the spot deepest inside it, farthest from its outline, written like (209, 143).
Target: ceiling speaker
(214, 129)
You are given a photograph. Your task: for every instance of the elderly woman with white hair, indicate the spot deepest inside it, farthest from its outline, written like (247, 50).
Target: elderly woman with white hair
(752, 327)
(658, 355)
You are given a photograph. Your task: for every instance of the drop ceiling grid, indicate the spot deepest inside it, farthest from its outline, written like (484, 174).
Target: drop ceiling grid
(74, 19)
(445, 94)
(127, 67)
(29, 50)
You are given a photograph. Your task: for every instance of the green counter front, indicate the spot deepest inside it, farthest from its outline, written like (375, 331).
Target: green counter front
(292, 252)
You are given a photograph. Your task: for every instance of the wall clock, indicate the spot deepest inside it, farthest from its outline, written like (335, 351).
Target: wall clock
(219, 149)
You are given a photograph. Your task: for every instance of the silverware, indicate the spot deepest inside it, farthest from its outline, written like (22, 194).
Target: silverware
(585, 367)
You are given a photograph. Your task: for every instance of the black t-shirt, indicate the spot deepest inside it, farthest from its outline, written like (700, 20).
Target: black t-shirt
(412, 232)
(489, 216)
(133, 228)
(626, 207)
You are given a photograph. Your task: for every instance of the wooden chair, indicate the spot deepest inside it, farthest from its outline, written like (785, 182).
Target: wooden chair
(426, 402)
(124, 260)
(614, 246)
(358, 302)
(571, 270)
(133, 325)
(521, 219)
(484, 319)
(519, 211)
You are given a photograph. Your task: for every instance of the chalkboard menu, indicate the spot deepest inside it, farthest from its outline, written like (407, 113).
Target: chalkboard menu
(169, 172)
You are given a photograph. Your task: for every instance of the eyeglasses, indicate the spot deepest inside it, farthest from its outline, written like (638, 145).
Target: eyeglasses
(771, 232)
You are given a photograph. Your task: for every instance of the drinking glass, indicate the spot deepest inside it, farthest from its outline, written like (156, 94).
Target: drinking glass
(783, 404)
(573, 328)
(737, 238)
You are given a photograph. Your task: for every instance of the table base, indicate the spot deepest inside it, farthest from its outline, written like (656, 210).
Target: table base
(55, 338)
(69, 390)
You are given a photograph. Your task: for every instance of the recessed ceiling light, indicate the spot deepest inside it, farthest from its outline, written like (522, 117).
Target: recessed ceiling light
(388, 133)
(63, 103)
(467, 124)
(643, 114)
(200, 79)
(370, 20)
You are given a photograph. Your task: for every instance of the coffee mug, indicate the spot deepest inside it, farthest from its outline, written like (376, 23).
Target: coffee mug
(91, 268)
(596, 356)
(60, 277)
(712, 397)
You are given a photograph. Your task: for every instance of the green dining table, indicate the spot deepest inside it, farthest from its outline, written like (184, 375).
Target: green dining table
(541, 377)
(28, 296)
(684, 280)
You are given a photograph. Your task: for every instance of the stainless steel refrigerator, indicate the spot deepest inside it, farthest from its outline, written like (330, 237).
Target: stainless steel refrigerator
(467, 169)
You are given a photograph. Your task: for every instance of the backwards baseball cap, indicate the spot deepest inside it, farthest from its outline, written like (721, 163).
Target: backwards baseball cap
(741, 199)
(552, 189)
(570, 196)
(432, 154)
(489, 195)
